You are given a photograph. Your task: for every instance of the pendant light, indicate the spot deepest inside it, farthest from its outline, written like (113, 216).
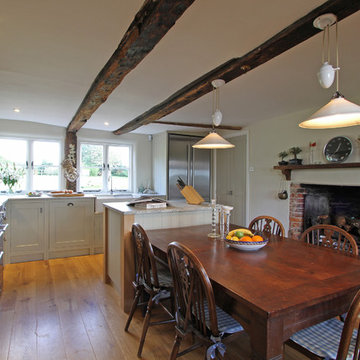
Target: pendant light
(213, 140)
(339, 112)
(326, 74)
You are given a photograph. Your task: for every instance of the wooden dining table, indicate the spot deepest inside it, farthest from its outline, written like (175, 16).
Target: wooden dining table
(275, 291)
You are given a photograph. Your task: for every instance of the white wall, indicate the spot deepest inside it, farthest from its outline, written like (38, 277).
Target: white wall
(269, 137)
(18, 128)
(141, 145)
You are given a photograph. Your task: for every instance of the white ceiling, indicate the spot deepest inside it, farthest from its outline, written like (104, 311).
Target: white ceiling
(51, 51)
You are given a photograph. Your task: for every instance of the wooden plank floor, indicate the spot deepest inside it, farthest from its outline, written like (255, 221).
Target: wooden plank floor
(60, 309)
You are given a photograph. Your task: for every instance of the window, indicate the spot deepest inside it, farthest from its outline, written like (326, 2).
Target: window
(46, 165)
(13, 153)
(39, 162)
(105, 167)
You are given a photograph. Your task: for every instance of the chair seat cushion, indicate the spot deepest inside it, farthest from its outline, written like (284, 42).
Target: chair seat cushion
(164, 277)
(323, 339)
(226, 323)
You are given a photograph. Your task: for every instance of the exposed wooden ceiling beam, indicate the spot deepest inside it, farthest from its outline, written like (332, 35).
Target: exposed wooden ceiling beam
(291, 36)
(204, 126)
(150, 24)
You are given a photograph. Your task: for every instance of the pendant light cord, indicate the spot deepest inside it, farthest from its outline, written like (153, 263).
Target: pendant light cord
(215, 103)
(216, 99)
(213, 107)
(328, 42)
(337, 57)
(326, 45)
(323, 48)
(213, 100)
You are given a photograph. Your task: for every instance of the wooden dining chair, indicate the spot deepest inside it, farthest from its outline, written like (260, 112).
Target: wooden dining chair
(196, 312)
(332, 237)
(267, 224)
(152, 280)
(331, 339)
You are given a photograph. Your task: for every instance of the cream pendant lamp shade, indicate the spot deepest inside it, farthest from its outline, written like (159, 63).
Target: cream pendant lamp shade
(339, 112)
(213, 141)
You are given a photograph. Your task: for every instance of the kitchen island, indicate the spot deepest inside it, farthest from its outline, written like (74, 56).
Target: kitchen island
(118, 252)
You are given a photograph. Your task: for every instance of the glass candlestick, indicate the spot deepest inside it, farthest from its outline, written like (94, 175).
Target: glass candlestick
(222, 220)
(214, 211)
(226, 210)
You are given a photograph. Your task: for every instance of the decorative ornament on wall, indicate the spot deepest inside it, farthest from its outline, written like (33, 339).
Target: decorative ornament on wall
(70, 172)
(283, 194)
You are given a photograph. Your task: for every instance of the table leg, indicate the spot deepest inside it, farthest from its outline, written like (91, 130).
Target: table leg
(266, 339)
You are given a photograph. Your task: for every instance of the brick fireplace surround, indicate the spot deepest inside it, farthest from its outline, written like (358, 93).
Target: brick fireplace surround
(343, 201)
(296, 210)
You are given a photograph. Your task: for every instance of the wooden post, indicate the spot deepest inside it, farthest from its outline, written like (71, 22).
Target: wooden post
(71, 139)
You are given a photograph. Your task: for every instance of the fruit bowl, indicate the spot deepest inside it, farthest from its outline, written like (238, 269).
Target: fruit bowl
(246, 245)
(34, 194)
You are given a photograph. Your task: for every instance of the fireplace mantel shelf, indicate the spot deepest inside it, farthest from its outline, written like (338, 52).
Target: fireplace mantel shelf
(286, 169)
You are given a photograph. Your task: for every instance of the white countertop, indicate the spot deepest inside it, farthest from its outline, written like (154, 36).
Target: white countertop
(45, 197)
(103, 198)
(173, 206)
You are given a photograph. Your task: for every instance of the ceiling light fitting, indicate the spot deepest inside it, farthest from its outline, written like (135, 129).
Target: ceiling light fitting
(17, 110)
(326, 75)
(339, 112)
(213, 140)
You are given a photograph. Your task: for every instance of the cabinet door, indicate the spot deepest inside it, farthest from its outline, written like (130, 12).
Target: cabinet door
(27, 227)
(71, 224)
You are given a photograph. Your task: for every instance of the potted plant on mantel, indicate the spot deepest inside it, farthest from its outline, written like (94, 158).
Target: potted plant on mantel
(295, 150)
(282, 155)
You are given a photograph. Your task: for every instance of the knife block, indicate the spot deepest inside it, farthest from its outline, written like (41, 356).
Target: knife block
(191, 195)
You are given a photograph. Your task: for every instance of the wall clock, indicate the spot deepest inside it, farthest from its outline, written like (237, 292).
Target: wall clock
(338, 149)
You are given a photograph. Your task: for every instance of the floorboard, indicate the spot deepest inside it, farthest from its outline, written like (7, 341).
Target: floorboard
(60, 309)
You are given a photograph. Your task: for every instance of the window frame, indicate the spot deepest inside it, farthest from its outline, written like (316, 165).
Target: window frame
(29, 158)
(32, 166)
(105, 173)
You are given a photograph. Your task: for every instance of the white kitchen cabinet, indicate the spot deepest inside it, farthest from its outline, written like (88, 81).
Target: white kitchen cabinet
(27, 230)
(71, 226)
(49, 228)
(98, 233)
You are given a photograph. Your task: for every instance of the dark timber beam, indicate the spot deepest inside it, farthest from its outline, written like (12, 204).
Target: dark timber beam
(204, 126)
(151, 23)
(291, 36)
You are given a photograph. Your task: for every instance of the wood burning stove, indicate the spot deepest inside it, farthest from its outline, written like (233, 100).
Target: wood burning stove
(334, 205)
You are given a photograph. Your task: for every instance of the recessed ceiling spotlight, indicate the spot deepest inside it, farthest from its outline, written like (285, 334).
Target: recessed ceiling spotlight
(106, 123)
(16, 110)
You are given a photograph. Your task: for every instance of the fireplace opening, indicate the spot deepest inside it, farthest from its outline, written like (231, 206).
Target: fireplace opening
(335, 205)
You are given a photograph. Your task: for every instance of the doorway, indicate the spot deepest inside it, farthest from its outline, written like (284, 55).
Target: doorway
(231, 178)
